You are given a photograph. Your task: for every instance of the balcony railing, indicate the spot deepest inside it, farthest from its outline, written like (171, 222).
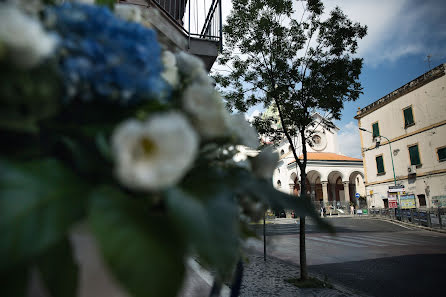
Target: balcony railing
(197, 18)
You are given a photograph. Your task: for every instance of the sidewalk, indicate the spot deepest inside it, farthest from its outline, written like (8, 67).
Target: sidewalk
(260, 279)
(267, 279)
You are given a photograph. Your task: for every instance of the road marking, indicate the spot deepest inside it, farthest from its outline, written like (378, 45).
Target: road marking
(400, 225)
(336, 242)
(370, 238)
(395, 240)
(355, 240)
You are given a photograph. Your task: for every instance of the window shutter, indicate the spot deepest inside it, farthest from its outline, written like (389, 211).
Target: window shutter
(375, 129)
(414, 155)
(442, 154)
(380, 164)
(408, 117)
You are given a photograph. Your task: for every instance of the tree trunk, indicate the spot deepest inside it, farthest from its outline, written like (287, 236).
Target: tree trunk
(303, 195)
(302, 247)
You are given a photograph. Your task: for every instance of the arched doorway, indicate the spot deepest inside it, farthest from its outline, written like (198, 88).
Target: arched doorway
(314, 185)
(356, 185)
(335, 187)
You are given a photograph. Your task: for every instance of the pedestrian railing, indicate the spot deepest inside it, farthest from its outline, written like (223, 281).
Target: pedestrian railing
(199, 19)
(428, 217)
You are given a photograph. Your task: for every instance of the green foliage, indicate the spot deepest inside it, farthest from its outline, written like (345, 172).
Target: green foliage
(142, 249)
(39, 201)
(300, 65)
(13, 281)
(27, 96)
(109, 3)
(58, 270)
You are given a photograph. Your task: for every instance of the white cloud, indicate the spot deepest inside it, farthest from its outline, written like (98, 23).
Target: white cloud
(397, 28)
(254, 113)
(349, 141)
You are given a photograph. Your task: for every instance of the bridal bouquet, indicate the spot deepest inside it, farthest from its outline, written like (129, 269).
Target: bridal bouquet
(101, 128)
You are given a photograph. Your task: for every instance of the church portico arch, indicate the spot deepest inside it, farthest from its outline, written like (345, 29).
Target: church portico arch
(314, 185)
(335, 186)
(294, 184)
(356, 184)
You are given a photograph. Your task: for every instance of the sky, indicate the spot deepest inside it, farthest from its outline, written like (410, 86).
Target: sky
(401, 34)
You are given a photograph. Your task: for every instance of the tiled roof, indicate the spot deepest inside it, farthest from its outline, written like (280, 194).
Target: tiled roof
(327, 157)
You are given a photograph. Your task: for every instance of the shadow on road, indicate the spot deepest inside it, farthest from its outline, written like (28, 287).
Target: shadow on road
(414, 275)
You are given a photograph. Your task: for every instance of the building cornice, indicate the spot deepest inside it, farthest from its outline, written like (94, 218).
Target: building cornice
(436, 125)
(405, 177)
(328, 163)
(418, 82)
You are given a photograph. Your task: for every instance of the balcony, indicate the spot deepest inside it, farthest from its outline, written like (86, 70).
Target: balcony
(188, 25)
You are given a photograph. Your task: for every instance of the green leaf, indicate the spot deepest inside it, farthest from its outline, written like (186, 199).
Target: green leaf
(109, 3)
(223, 220)
(143, 251)
(14, 282)
(58, 270)
(190, 217)
(39, 201)
(209, 225)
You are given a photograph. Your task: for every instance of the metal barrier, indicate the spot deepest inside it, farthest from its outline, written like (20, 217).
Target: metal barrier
(199, 19)
(428, 217)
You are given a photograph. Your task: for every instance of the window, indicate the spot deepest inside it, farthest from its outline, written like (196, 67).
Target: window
(282, 152)
(380, 165)
(408, 117)
(441, 152)
(279, 183)
(414, 155)
(422, 200)
(375, 129)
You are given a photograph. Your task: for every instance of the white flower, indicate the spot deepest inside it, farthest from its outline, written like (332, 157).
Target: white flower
(156, 153)
(193, 68)
(24, 38)
(207, 110)
(263, 164)
(128, 12)
(170, 73)
(241, 128)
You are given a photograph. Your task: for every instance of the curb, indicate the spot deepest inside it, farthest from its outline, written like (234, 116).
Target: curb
(409, 224)
(336, 285)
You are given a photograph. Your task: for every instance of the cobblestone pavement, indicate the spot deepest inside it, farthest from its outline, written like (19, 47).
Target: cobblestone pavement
(267, 279)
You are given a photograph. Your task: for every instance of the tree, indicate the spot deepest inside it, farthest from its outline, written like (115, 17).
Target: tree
(298, 63)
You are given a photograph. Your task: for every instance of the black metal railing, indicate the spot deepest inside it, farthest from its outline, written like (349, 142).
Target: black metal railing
(197, 18)
(428, 217)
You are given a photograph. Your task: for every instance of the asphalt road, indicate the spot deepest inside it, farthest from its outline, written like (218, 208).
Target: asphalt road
(374, 257)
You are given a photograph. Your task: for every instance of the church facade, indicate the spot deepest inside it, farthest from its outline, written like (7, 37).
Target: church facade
(333, 179)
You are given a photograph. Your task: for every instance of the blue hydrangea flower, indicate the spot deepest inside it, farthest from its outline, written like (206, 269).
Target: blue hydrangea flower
(104, 57)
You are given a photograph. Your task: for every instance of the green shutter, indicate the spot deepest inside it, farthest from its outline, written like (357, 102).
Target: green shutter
(442, 154)
(380, 164)
(408, 117)
(414, 155)
(375, 129)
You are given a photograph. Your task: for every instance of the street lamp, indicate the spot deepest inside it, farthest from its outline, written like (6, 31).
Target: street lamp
(391, 155)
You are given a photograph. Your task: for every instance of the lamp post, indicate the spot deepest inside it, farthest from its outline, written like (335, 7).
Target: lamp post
(391, 155)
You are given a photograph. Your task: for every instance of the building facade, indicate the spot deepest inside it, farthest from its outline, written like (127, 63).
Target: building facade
(332, 178)
(403, 139)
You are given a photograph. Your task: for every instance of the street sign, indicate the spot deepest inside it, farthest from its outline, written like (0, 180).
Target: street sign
(357, 195)
(396, 189)
(393, 201)
(393, 204)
